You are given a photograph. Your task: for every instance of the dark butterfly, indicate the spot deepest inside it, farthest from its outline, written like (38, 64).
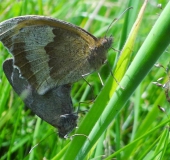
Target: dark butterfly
(55, 107)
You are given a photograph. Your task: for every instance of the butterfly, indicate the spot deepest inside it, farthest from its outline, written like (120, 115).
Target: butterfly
(54, 107)
(49, 52)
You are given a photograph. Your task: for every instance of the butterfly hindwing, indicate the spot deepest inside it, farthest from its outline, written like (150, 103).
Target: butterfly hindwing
(54, 107)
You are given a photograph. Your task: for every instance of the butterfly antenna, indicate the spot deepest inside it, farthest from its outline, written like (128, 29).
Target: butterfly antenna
(40, 142)
(71, 137)
(116, 19)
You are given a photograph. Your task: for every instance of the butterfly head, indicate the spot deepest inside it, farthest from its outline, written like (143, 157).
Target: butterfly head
(98, 53)
(66, 124)
(106, 42)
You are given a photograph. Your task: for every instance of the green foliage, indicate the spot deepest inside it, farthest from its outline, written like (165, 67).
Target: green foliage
(120, 123)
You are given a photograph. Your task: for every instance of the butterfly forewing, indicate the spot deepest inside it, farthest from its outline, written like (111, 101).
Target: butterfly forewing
(50, 52)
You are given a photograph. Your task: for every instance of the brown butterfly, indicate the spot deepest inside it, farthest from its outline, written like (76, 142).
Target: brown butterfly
(55, 107)
(50, 52)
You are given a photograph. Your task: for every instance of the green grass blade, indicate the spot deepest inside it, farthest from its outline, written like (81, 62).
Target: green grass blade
(156, 42)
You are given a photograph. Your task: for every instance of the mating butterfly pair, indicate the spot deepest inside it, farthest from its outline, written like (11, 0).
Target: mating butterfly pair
(50, 54)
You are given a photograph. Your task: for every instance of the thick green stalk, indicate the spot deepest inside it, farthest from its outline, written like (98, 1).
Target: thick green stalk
(154, 45)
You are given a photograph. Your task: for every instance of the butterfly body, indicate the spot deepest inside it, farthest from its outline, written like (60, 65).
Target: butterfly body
(50, 52)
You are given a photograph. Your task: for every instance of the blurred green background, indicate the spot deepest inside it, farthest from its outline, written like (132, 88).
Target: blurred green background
(20, 130)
